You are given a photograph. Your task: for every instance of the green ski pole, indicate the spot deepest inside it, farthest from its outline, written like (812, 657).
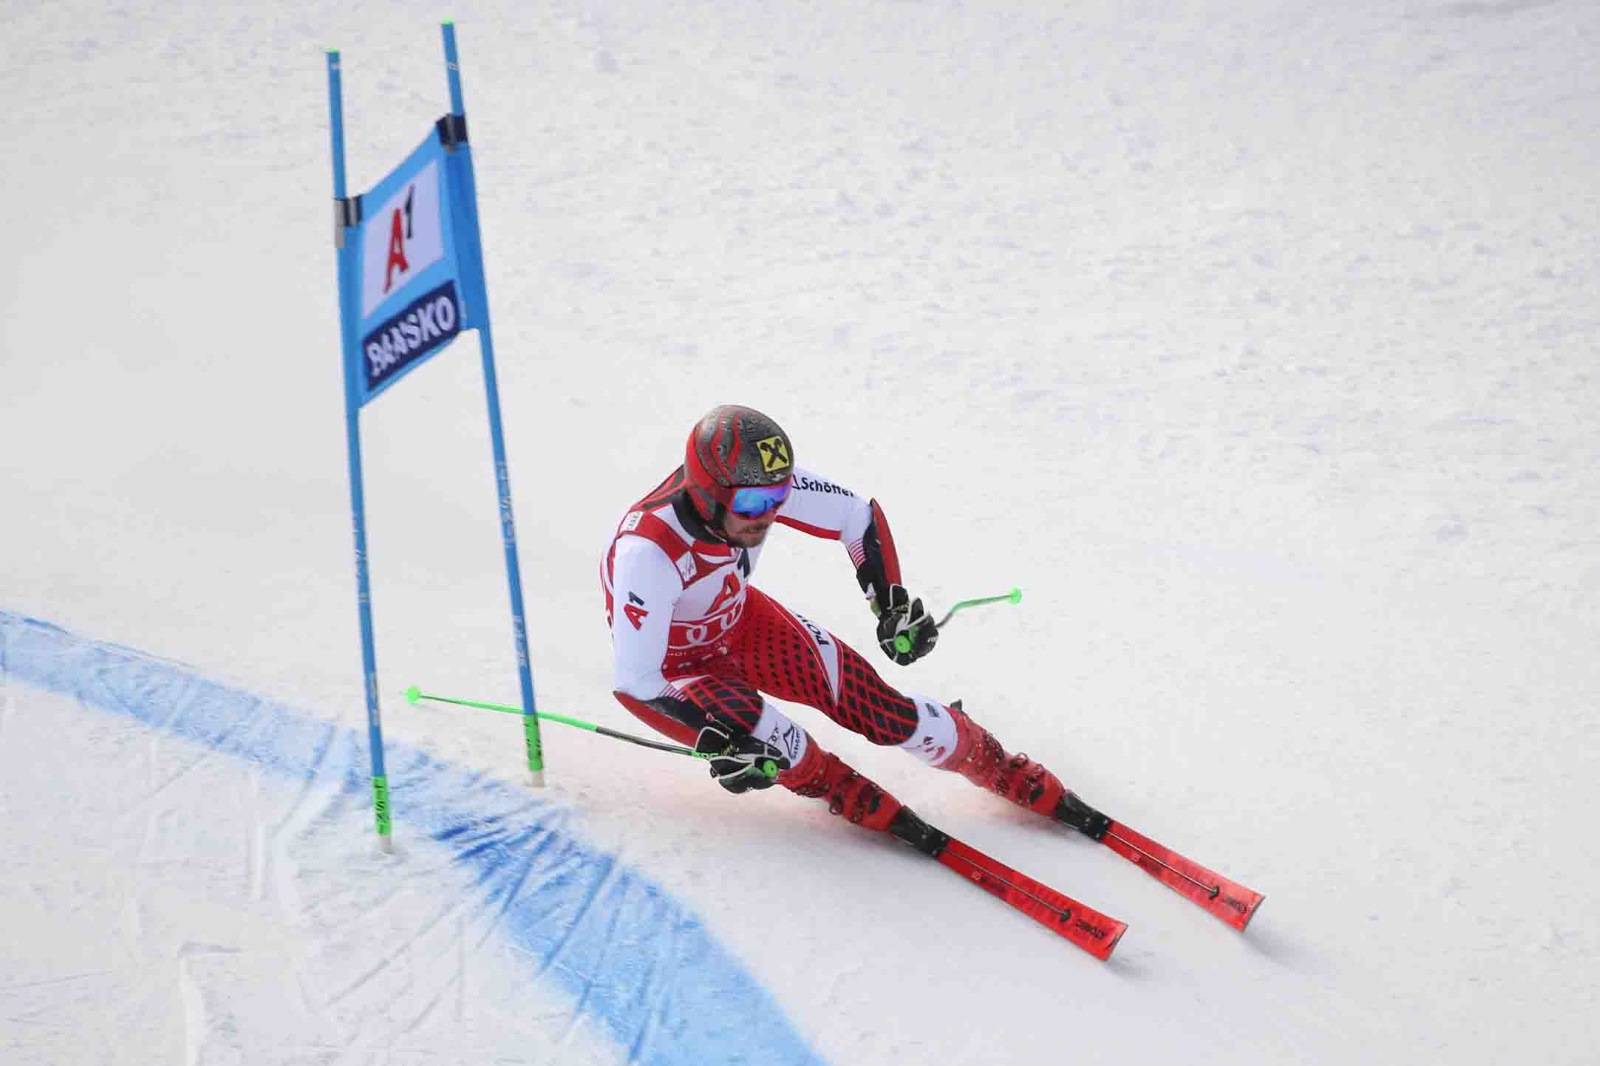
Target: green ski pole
(902, 643)
(414, 695)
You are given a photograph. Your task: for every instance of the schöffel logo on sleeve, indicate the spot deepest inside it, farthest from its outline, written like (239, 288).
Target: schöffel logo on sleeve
(815, 484)
(422, 326)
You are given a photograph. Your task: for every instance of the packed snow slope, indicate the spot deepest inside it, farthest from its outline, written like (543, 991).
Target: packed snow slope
(1256, 341)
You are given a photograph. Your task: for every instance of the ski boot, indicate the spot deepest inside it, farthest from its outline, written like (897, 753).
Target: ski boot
(854, 798)
(980, 759)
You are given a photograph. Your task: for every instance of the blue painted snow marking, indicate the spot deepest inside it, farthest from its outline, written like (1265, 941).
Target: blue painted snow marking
(633, 958)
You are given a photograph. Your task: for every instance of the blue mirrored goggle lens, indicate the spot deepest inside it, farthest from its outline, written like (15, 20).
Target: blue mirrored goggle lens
(756, 500)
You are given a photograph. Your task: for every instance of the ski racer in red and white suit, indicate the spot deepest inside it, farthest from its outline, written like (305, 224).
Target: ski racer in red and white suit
(696, 645)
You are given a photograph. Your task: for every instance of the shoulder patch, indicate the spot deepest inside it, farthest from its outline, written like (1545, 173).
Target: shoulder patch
(631, 523)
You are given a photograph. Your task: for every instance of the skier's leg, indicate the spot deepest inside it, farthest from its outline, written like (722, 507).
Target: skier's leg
(813, 772)
(716, 693)
(791, 657)
(795, 659)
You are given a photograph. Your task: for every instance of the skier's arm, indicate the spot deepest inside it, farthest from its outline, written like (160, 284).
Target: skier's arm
(877, 563)
(819, 507)
(906, 632)
(825, 509)
(645, 588)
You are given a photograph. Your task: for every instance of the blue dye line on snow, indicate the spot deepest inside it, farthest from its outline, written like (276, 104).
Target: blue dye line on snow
(632, 958)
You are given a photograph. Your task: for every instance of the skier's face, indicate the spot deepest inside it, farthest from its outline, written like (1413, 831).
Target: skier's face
(747, 532)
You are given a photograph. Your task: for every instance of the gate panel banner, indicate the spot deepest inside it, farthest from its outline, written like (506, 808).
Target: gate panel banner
(409, 272)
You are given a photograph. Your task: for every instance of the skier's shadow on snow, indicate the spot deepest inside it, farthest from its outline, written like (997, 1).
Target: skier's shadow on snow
(1136, 962)
(1272, 944)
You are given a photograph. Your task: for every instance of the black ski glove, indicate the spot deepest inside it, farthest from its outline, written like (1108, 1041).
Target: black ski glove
(906, 632)
(740, 763)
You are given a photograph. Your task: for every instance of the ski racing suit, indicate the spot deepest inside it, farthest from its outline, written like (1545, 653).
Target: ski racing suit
(694, 643)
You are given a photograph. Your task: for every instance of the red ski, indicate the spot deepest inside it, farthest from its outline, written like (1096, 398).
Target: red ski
(1083, 926)
(1228, 900)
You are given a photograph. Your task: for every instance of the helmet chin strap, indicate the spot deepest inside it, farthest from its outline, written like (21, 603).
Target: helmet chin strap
(695, 523)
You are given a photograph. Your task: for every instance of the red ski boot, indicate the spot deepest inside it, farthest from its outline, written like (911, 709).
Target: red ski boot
(980, 759)
(853, 797)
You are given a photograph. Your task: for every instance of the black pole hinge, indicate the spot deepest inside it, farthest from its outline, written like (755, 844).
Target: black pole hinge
(346, 213)
(452, 131)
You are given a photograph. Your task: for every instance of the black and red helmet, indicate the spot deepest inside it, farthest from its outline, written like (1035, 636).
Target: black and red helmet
(735, 448)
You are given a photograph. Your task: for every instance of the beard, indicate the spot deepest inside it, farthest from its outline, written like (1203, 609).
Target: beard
(749, 538)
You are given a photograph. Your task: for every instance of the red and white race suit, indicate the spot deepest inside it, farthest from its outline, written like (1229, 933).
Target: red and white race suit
(686, 625)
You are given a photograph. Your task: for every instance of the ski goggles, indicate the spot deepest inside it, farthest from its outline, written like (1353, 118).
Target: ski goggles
(753, 501)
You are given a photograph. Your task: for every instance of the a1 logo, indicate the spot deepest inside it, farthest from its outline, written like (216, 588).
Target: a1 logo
(401, 239)
(635, 610)
(398, 235)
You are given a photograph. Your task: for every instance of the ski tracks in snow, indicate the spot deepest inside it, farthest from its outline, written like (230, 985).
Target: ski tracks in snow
(236, 903)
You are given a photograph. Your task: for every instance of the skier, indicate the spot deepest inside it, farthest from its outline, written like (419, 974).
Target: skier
(696, 646)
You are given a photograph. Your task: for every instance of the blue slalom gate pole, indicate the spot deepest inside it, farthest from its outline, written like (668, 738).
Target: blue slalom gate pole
(348, 300)
(478, 296)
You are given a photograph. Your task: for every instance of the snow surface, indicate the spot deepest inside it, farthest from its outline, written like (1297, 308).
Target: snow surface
(1255, 340)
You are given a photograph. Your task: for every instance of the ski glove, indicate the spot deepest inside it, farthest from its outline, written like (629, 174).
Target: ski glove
(740, 763)
(906, 632)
